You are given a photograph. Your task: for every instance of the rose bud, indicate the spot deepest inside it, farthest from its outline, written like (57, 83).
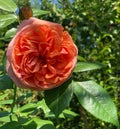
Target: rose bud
(25, 12)
(41, 55)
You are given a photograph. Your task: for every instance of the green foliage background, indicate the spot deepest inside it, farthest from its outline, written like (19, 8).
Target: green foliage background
(95, 28)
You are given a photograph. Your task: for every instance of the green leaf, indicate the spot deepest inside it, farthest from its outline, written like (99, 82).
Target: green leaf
(86, 66)
(42, 105)
(8, 5)
(68, 114)
(59, 98)
(11, 125)
(5, 82)
(37, 123)
(96, 101)
(47, 126)
(24, 97)
(6, 20)
(6, 102)
(4, 113)
(2, 96)
(10, 33)
(37, 12)
(7, 118)
(28, 107)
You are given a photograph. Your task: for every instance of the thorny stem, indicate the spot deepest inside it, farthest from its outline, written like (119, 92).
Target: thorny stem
(13, 103)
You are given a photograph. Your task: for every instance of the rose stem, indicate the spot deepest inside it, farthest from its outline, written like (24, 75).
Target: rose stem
(14, 101)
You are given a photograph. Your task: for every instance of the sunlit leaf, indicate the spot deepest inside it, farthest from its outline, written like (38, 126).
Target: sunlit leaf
(42, 105)
(6, 102)
(37, 12)
(86, 66)
(6, 20)
(68, 114)
(6, 119)
(8, 5)
(10, 33)
(96, 101)
(28, 107)
(2, 96)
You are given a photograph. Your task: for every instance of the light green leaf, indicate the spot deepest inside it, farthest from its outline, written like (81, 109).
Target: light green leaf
(59, 98)
(42, 105)
(2, 96)
(37, 123)
(11, 125)
(86, 66)
(6, 20)
(68, 114)
(7, 119)
(8, 5)
(10, 33)
(6, 102)
(5, 82)
(96, 101)
(28, 107)
(37, 12)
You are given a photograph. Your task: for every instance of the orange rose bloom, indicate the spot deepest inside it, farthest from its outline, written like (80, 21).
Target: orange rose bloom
(41, 55)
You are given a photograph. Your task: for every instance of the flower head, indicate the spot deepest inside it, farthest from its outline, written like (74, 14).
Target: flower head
(41, 55)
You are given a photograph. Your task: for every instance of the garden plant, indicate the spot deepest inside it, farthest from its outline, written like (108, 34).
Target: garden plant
(59, 64)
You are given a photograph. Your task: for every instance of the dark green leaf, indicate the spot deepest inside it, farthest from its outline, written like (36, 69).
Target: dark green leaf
(37, 123)
(5, 82)
(6, 20)
(96, 101)
(8, 5)
(85, 66)
(11, 125)
(1, 67)
(59, 98)
(47, 126)
(4, 113)
(5, 119)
